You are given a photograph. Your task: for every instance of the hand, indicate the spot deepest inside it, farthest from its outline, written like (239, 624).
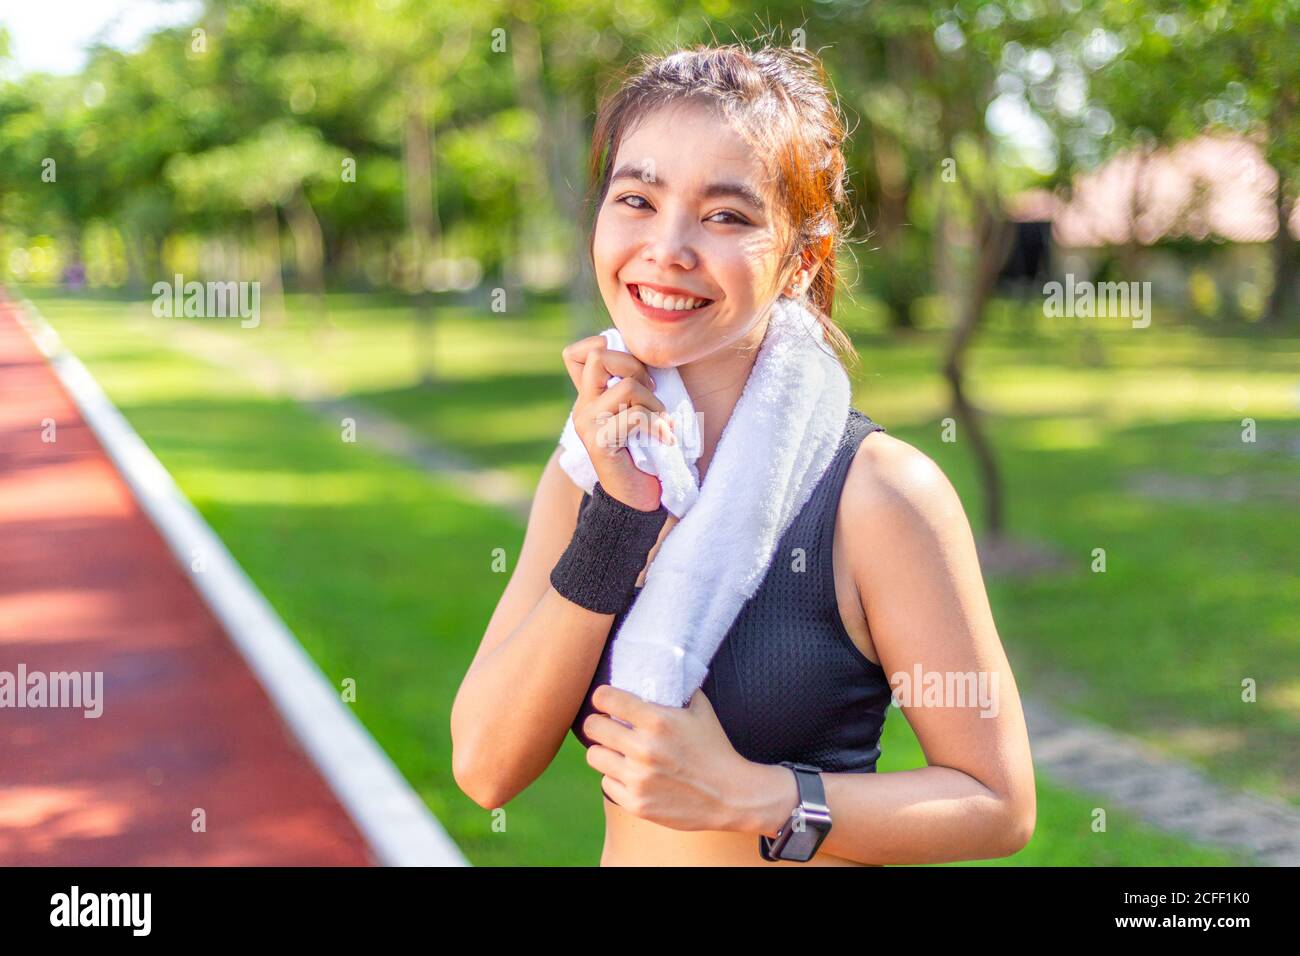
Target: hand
(605, 417)
(674, 766)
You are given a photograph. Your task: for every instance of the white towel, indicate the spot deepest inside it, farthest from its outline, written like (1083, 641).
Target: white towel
(673, 464)
(775, 447)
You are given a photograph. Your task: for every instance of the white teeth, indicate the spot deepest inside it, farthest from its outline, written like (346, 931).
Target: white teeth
(678, 303)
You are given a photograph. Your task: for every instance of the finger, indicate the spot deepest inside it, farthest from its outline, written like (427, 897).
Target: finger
(663, 430)
(632, 392)
(624, 419)
(614, 791)
(627, 365)
(595, 379)
(643, 420)
(612, 361)
(607, 761)
(609, 732)
(610, 436)
(575, 356)
(620, 704)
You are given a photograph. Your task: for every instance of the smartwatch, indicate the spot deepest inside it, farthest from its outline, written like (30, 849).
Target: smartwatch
(801, 835)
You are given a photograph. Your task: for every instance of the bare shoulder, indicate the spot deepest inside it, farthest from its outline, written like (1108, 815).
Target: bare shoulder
(894, 484)
(909, 536)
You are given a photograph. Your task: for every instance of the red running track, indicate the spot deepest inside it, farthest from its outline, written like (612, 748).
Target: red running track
(87, 584)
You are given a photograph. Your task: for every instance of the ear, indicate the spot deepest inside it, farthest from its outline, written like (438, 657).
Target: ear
(818, 255)
(810, 263)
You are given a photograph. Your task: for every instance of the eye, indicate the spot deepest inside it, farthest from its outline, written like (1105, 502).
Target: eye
(624, 199)
(735, 218)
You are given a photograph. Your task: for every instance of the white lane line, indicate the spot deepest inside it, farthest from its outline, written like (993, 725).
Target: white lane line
(398, 825)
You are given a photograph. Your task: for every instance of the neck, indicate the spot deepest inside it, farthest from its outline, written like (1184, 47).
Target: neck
(715, 383)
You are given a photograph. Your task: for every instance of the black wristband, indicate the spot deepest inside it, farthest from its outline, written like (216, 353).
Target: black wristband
(610, 544)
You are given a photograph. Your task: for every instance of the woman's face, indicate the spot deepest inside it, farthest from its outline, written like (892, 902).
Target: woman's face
(688, 216)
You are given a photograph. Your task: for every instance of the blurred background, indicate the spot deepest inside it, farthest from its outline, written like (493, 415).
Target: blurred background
(406, 181)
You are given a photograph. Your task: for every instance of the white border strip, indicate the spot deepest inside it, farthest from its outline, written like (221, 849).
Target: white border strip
(395, 821)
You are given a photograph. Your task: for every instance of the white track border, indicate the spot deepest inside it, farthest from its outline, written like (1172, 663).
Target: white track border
(391, 816)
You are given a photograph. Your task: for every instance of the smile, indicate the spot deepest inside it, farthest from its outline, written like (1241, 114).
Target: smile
(666, 306)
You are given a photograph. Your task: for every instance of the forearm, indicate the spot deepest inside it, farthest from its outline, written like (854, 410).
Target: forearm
(515, 706)
(516, 703)
(929, 815)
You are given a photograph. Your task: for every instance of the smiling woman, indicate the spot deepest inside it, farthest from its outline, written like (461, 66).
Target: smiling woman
(718, 180)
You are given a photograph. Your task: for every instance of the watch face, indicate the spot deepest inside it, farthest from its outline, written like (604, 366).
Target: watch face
(802, 845)
(797, 841)
(807, 831)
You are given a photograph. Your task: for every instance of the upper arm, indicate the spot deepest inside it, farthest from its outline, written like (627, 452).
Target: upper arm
(917, 571)
(551, 520)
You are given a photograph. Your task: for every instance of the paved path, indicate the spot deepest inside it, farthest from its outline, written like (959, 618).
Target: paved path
(1126, 774)
(490, 486)
(88, 585)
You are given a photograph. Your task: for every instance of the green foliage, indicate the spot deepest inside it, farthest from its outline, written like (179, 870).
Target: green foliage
(176, 137)
(264, 170)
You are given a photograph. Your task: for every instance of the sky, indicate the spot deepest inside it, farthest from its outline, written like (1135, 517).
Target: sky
(51, 35)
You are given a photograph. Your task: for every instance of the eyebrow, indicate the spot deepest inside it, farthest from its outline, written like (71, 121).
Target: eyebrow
(712, 191)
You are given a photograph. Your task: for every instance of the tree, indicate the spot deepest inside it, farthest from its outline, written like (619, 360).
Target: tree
(923, 78)
(262, 176)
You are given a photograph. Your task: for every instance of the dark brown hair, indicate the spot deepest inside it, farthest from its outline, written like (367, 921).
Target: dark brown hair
(780, 100)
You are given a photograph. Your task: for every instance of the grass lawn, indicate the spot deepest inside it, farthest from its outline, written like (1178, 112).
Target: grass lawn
(371, 565)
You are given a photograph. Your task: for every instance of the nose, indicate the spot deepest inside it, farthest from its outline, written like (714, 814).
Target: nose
(670, 243)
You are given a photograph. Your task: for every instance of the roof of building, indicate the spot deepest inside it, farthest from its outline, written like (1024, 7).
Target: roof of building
(1208, 187)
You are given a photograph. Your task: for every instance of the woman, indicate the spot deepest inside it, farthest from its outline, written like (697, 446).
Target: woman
(718, 181)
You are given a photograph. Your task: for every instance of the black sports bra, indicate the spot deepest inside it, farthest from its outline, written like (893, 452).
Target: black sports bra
(787, 681)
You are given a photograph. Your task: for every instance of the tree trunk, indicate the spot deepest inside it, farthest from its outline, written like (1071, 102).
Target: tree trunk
(421, 221)
(151, 256)
(533, 190)
(993, 233)
(309, 249)
(1130, 251)
(944, 279)
(135, 259)
(1286, 260)
(900, 313)
(891, 177)
(582, 297)
(561, 133)
(268, 242)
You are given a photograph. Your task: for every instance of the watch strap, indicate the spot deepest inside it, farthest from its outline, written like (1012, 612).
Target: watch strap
(812, 792)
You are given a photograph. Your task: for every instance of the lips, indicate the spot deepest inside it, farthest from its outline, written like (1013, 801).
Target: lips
(642, 296)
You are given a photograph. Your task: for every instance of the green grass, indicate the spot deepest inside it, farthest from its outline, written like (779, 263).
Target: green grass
(371, 565)
(1198, 595)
